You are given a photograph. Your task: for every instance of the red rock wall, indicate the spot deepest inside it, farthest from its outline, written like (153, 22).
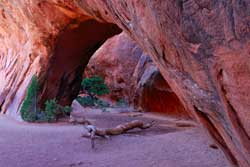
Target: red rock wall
(42, 38)
(200, 47)
(202, 50)
(152, 93)
(132, 76)
(115, 61)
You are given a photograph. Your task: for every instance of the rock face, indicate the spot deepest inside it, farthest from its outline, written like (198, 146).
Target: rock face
(132, 76)
(201, 48)
(115, 61)
(41, 38)
(152, 93)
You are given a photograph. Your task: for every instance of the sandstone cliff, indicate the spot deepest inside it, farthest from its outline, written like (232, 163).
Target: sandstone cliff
(200, 47)
(132, 76)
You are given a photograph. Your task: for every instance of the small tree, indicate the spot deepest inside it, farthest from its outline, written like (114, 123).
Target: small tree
(30, 111)
(29, 107)
(51, 109)
(95, 86)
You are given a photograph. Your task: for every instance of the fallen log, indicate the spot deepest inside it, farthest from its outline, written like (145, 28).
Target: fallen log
(94, 132)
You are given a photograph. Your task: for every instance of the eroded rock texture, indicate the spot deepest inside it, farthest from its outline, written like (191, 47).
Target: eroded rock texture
(200, 47)
(132, 76)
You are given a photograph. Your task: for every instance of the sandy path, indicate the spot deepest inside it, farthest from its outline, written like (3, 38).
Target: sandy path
(60, 145)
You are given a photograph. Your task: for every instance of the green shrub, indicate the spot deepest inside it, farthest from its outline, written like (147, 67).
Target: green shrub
(30, 111)
(29, 107)
(86, 101)
(95, 86)
(51, 110)
(66, 110)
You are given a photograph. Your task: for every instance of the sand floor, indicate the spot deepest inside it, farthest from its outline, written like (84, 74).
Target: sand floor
(61, 145)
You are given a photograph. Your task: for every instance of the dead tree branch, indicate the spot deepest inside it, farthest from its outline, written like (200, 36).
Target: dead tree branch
(93, 131)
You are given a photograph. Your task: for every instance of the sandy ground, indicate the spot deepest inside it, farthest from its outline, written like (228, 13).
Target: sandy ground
(60, 145)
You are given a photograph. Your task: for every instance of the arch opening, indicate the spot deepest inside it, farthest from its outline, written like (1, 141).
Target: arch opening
(74, 47)
(133, 79)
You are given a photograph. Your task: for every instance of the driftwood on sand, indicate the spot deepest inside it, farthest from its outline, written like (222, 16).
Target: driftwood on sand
(94, 132)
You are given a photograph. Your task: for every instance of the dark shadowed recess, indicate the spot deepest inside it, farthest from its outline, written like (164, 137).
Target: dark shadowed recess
(75, 46)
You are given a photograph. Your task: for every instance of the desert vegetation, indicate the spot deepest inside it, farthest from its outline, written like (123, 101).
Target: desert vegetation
(93, 87)
(31, 112)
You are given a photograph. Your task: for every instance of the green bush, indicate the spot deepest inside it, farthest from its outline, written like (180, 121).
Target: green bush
(95, 86)
(29, 107)
(30, 111)
(51, 110)
(66, 110)
(86, 101)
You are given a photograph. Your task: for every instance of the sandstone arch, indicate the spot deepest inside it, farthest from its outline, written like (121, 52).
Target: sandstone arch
(73, 50)
(46, 36)
(200, 47)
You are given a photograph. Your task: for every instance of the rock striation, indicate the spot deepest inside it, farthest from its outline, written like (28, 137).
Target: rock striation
(200, 47)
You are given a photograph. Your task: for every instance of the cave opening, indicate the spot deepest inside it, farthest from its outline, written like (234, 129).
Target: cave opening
(133, 79)
(73, 49)
(121, 63)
